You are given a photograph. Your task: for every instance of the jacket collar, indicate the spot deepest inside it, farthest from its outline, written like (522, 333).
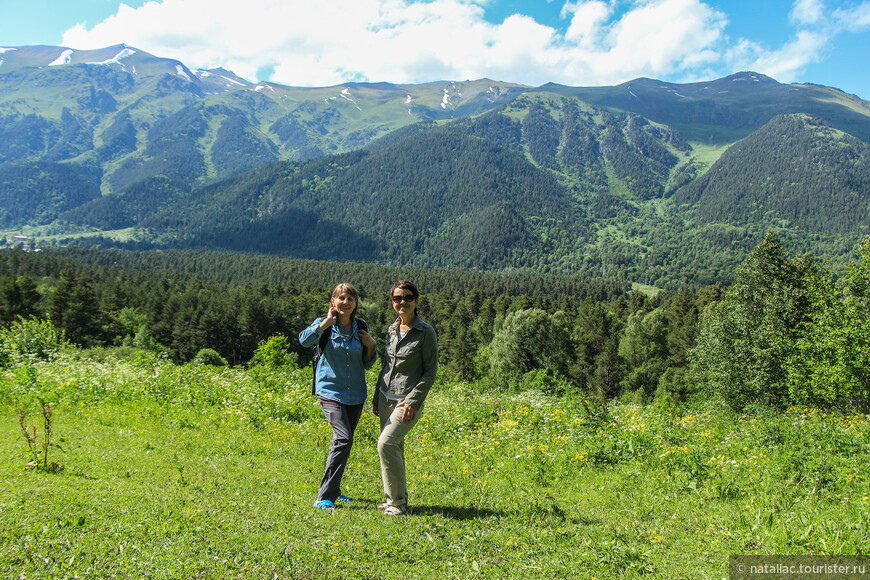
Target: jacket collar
(354, 328)
(418, 323)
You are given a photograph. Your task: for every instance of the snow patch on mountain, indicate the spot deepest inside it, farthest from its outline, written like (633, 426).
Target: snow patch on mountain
(344, 94)
(445, 100)
(2, 50)
(744, 78)
(179, 70)
(232, 81)
(64, 58)
(117, 58)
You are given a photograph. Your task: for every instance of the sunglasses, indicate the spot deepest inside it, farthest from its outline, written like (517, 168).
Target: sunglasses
(406, 298)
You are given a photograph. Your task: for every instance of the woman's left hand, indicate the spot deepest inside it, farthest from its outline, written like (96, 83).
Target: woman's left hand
(368, 342)
(366, 339)
(408, 412)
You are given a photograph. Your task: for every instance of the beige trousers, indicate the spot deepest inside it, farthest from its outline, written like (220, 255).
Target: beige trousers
(391, 450)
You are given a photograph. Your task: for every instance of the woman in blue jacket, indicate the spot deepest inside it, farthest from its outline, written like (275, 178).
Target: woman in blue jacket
(340, 383)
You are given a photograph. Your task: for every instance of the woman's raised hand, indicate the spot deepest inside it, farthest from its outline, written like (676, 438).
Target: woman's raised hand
(331, 317)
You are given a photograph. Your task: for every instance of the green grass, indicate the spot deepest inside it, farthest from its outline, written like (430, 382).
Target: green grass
(645, 289)
(183, 472)
(708, 154)
(52, 233)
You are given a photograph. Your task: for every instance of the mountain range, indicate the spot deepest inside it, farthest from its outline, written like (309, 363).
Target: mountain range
(656, 182)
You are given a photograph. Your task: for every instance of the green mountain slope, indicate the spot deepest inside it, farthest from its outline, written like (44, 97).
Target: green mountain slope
(518, 187)
(794, 171)
(131, 118)
(39, 192)
(546, 183)
(727, 109)
(442, 198)
(656, 182)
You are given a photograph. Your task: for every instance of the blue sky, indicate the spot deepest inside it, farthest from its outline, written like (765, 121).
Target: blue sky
(581, 43)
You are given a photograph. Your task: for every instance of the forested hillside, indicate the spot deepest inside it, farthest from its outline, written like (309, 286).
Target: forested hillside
(439, 199)
(546, 184)
(182, 302)
(794, 171)
(788, 331)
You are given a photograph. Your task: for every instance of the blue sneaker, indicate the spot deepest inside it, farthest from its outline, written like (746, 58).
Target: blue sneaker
(324, 504)
(344, 499)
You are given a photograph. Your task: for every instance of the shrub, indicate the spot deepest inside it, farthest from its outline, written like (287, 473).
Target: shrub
(208, 356)
(678, 384)
(29, 339)
(273, 353)
(545, 381)
(527, 341)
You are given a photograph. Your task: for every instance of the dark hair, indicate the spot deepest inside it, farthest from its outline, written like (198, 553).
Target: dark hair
(405, 285)
(347, 289)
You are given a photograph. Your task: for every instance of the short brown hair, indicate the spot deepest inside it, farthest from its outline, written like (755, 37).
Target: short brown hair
(345, 288)
(405, 285)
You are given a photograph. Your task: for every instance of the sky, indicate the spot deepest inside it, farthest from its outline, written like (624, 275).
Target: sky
(316, 43)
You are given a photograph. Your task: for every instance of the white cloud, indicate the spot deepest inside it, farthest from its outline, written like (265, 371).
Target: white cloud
(807, 11)
(785, 63)
(854, 19)
(587, 21)
(816, 28)
(663, 37)
(306, 43)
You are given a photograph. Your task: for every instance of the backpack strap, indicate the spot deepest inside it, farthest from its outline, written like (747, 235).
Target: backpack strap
(318, 352)
(321, 344)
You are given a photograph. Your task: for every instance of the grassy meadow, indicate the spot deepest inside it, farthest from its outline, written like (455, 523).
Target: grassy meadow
(205, 472)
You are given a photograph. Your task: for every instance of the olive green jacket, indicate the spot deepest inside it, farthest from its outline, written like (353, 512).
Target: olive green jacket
(409, 365)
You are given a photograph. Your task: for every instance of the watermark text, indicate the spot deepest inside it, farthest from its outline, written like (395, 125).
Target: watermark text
(799, 567)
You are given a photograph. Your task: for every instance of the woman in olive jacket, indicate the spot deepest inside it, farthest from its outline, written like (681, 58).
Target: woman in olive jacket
(410, 364)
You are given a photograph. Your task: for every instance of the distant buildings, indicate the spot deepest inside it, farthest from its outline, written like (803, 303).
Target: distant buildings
(19, 242)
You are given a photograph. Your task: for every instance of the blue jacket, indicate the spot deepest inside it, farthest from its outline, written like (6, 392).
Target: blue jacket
(340, 374)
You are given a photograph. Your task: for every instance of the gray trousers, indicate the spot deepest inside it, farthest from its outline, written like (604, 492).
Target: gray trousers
(391, 450)
(343, 419)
